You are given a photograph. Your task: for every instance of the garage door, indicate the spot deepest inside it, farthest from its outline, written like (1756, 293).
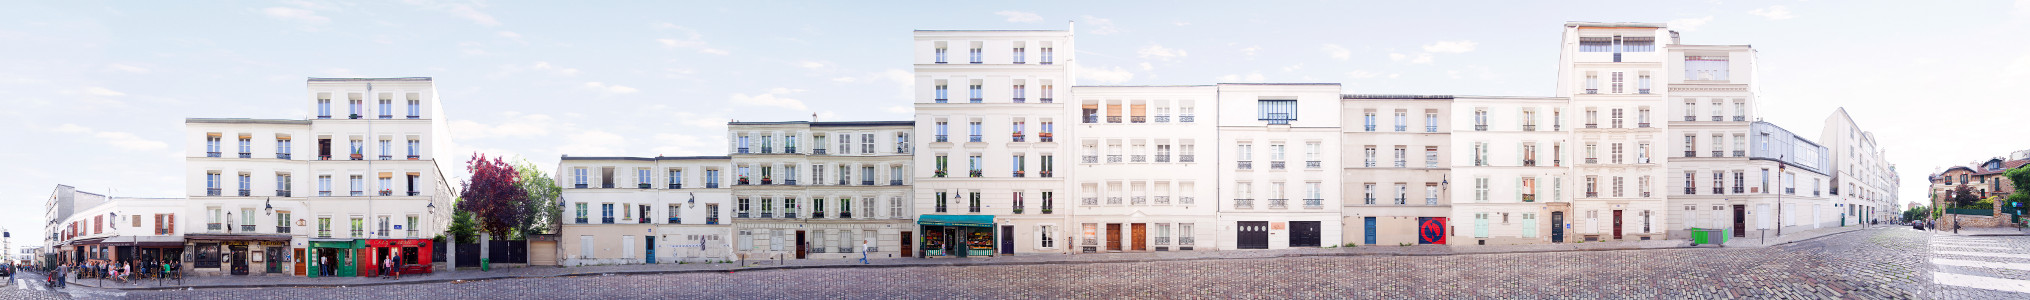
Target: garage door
(543, 253)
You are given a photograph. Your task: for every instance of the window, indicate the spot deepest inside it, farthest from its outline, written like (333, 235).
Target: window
(1370, 152)
(1705, 67)
(1402, 158)
(1047, 54)
(1638, 44)
(895, 206)
(323, 106)
(941, 90)
(1480, 189)
(1430, 122)
(1430, 156)
(1402, 194)
(246, 146)
(415, 108)
(1615, 114)
(387, 108)
(1616, 82)
(1280, 112)
(1596, 44)
(974, 93)
(1045, 236)
(1402, 121)
(974, 126)
(866, 143)
(1369, 117)
(1480, 120)
(975, 53)
(940, 53)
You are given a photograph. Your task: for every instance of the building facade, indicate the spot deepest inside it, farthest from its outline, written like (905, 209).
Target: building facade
(1607, 70)
(328, 195)
(1273, 197)
(103, 228)
(1139, 178)
(974, 190)
(1395, 165)
(1514, 180)
(1861, 176)
(823, 189)
(645, 210)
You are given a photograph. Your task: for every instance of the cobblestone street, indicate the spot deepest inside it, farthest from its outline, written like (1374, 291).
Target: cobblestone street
(1891, 262)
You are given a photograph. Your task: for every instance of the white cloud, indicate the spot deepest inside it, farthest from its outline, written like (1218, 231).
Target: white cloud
(517, 37)
(690, 39)
(1251, 50)
(1180, 23)
(2023, 8)
(811, 64)
(1250, 77)
(1336, 52)
(672, 144)
(545, 66)
(1360, 74)
(1689, 24)
(1159, 52)
(1420, 58)
(295, 14)
(461, 10)
(126, 68)
(1776, 12)
(1451, 47)
(121, 140)
(610, 89)
(1104, 75)
(772, 98)
(845, 79)
(99, 91)
(1020, 17)
(1298, 66)
(1146, 66)
(1100, 26)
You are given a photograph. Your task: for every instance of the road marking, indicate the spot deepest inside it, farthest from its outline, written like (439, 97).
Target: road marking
(1964, 241)
(1981, 282)
(1974, 247)
(2007, 255)
(1980, 264)
(21, 283)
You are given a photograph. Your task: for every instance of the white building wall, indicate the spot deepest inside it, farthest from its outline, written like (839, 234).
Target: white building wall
(1132, 170)
(1247, 193)
(997, 112)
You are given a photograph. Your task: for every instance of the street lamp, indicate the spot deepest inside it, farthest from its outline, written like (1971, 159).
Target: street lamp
(269, 206)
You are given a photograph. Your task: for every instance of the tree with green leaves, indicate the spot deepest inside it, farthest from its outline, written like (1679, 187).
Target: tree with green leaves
(541, 201)
(1963, 196)
(463, 229)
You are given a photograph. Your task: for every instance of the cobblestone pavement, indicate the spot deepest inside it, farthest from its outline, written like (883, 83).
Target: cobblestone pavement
(29, 285)
(1888, 262)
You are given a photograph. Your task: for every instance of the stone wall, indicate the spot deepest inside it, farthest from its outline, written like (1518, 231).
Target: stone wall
(1998, 220)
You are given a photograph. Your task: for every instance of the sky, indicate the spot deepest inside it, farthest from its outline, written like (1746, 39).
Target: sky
(93, 93)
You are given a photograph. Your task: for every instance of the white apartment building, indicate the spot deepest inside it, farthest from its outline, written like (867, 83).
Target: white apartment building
(1395, 167)
(822, 189)
(645, 210)
(356, 181)
(1607, 70)
(988, 101)
(1514, 179)
(1263, 126)
(1863, 182)
(1139, 175)
(102, 228)
(1725, 158)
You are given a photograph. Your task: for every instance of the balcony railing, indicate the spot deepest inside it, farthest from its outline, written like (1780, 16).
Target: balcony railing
(1245, 165)
(1186, 118)
(246, 155)
(1719, 190)
(1185, 158)
(324, 233)
(281, 229)
(1090, 159)
(1186, 200)
(1592, 91)
(1400, 127)
(605, 220)
(1740, 118)
(1017, 138)
(211, 154)
(1529, 127)
(1592, 125)
(1113, 119)
(357, 233)
(581, 220)
(1244, 203)
(973, 138)
(212, 192)
(1116, 200)
(939, 138)
(246, 228)
(1592, 194)
(1431, 201)
(1138, 119)
(1737, 190)
(1314, 203)
(792, 215)
(1279, 203)
(1138, 200)
(1642, 91)
(1162, 118)
(973, 208)
(1402, 163)
(712, 185)
(1138, 158)
(1184, 241)
(1431, 128)
(711, 220)
(1113, 158)
(1369, 127)
(387, 157)
(1740, 153)
(1718, 118)
(741, 150)
(1480, 127)
(1592, 160)
(866, 182)
(1691, 191)
(1691, 153)
(1645, 194)
(1089, 201)
(1021, 99)
(895, 182)
(1162, 200)
(1275, 165)
(214, 226)
(1162, 158)
(1046, 99)
(1162, 240)
(1092, 119)
(281, 193)
(1045, 137)
(1716, 153)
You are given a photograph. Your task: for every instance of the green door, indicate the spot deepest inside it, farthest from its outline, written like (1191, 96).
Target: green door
(315, 269)
(347, 258)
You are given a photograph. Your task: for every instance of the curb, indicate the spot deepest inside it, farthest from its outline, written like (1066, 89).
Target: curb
(844, 266)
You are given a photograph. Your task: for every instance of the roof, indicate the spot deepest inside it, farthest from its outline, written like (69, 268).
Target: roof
(1613, 24)
(831, 123)
(244, 121)
(2006, 166)
(1392, 96)
(638, 158)
(319, 79)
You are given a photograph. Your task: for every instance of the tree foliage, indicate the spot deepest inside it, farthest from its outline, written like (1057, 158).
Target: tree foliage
(462, 227)
(541, 200)
(1963, 196)
(494, 195)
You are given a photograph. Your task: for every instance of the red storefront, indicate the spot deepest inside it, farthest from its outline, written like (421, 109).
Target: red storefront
(415, 255)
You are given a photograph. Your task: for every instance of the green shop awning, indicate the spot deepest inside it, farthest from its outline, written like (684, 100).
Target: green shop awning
(956, 220)
(351, 244)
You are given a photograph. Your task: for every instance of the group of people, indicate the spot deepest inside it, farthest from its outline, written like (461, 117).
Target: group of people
(118, 271)
(391, 266)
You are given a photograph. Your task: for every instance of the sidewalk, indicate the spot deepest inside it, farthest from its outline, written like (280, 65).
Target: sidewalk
(206, 282)
(1982, 231)
(1760, 239)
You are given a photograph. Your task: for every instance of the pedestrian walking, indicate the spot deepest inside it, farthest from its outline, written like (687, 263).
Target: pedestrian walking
(395, 263)
(863, 252)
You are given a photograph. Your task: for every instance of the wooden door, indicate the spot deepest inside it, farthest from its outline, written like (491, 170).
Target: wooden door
(1008, 240)
(1557, 227)
(1740, 220)
(1251, 235)
(1114, 237)
(800, 244)
(1305, 234)
(300, 271)
(907, 243)
(1140, 236)
(1617, 224)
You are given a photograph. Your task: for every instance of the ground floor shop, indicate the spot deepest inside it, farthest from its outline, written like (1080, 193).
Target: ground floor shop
(408, 256)
(824, 239)
(1110, 234)
(236, 254)
(1279, 230)
(333, 257)
(960, 236)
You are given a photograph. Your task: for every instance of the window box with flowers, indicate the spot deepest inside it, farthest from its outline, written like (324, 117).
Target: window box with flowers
(766, 181)
(387, 192)
(743, 180)
(976, 173)
(1018, 173)
(940, 173)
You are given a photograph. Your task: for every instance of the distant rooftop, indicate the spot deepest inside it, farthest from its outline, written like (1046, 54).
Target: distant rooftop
(318, 79)
(245, 121)
(830, 123)
(1614, 24)
(1388, 96)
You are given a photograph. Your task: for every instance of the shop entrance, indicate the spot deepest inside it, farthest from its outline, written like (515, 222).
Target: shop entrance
(274, 259)
(239, 259)
(1251, 235)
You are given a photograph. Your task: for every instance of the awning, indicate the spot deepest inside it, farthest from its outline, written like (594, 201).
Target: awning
(145, 241)
(238, 237)
(956, 220)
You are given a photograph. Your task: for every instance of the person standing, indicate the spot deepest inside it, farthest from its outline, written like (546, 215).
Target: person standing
(863, 252)
(395, 265)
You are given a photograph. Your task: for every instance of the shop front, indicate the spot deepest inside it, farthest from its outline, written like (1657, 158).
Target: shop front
(334, 258)
(415, 254)
(957, 235)
(147, 253)
(236, 254)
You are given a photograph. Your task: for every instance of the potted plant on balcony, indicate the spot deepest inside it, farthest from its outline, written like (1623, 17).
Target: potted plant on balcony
(743, 179)
(387, 192)
(1018, 173)
(1046, 211)
(940, 173)
(976, 173)
(355, 154)
(766, 180)
(1046, 173)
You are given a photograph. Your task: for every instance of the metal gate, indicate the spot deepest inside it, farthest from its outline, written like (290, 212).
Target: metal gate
(1251, 235)
(1304, 234)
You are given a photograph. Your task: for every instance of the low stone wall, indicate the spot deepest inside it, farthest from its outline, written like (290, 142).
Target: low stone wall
(1972, 221)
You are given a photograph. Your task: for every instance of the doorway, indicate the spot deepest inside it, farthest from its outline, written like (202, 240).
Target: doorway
(299, 258)
(1140, 237)
(1304, 234)
(1008, 239)
(1557, 227)
(239, 260)
(1251, 235)
(801, 245)
(1617, 224)
(1370, 230)
(274, 259)
(651, 249)
(1113, 236)
(906, 240)
(1740, 220)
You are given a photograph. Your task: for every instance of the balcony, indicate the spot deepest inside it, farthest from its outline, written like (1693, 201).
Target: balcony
(895, 182)
(1592, 91)
(1790, 190)
(1645, 194)
(939, 138)
(414, 193)
(606, 220)
(324, 233)
(1046, 173)
(712, 185)
(941, 100)
(1245, 165)
(1402, 164)
(1187, 200)
(767, 150)
(1045, 137)
(214, 192)
(1718, 118)
(1046, 99)
(1162, 118)
(1642, 125)
(1092, 119)
(1314, 203)
(843, 181)
(1138, 158)
(280, 229)
(742, 150)
(974, 173)
(1184, 241)
(1370, 163)
(1016, 174)
(1138, 119)
(1020, 99)
(974, 100)
(1529, 163)
(281, 193)
(1737, 190)
(1017, 138)
(1113, 158)
(1162, 200)
(1691, 191)
(1244, 203)
(1716, 153)
(1592, 160)
(1480, 127)
(1116, 200)
(359, 233)
(213, 226)
(281, 155)
(1185, 118)
(1592, 194)
(792, 215)
(357, 157)
(414, 116)
(1431, 128)
(1530, 127)
(1162, 240)
(1185, 158)
(711, 220)
(1279, 203)
(211, 154)
(1114, 119)
(1138, 200)
(866, 182)
(1369, 127)
(1431, 201)
(1740, 118)
(737, 215)
(1162, 158)
(387, 157)
(973, 138)
(246, 155)
(642, 186)
(974, 208)
(1691, 153)
(1740, 153)
(324, 157)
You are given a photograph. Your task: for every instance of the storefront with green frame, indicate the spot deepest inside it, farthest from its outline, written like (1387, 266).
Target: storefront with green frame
(344, 255)
(957, 235)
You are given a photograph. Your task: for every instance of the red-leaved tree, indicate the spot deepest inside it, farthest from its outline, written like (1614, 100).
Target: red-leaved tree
(494, 195)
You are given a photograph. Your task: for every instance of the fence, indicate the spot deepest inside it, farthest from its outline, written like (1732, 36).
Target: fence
(1971, 211)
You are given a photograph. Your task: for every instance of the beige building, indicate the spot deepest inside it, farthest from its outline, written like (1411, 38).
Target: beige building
(645, 210)
(822, 189)
(1394, 165)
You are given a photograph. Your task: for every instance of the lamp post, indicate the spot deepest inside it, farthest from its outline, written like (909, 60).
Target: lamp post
(1780, 167)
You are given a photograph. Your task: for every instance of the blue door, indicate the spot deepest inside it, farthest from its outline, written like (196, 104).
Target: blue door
(1370, 230)
(651, 249)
